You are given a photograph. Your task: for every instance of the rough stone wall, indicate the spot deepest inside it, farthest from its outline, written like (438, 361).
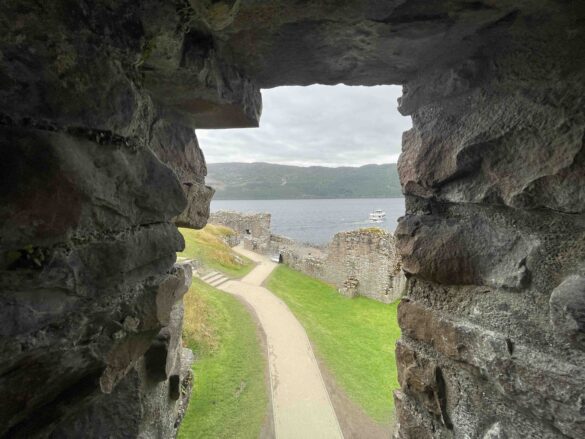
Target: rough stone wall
(98, 157)
(308, 260)
(95, 169)
(253, 229)
(231, 240)
(368, 258)
(493, 171)
(494, 234)
(359, 262)
(149, 401)
(494, 239)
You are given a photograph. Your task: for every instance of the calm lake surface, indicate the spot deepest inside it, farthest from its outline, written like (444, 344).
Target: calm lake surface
(316, 221)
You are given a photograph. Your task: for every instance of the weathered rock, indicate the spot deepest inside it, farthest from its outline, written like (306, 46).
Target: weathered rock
(416, 423)
(495, 432)
(567, 310)
(136, 408)
(187, 382)
(473, 159)
(359, 42)
(93, 171)
(420, 377)
(161, 356)
(197, 211)
(138, 400)
(76, 186)
(546, 387)
(53, 80)
(206, 92)
(184, 73)
(171, 291)
(451, 252)
(176, 145)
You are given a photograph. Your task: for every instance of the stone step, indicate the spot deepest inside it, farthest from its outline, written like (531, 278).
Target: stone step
(208, 275)
(212, 278)
(219, 281)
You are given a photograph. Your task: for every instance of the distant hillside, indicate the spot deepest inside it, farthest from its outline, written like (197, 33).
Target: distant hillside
(257, 181)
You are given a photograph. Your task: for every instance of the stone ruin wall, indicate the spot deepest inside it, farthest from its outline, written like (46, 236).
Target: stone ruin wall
(298, 256)
(366, 258)
(252, 229)
(308, 260)
(99, 162)
(358, 263)
(365, 263)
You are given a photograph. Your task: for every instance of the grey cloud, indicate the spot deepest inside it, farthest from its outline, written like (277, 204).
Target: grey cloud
(316, 125)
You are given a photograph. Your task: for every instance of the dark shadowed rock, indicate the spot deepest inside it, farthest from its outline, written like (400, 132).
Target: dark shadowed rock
(174, 387)
(157, 355)
(75, 185)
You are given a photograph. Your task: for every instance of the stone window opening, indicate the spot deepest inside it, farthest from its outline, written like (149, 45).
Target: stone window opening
(97, 140)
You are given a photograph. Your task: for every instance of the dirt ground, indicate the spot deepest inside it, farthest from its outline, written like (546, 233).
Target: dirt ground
(354, 422)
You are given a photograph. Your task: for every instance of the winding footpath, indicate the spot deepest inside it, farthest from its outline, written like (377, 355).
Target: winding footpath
(301, 405)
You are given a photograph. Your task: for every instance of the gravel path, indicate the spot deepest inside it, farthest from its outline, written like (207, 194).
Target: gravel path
(302, 408)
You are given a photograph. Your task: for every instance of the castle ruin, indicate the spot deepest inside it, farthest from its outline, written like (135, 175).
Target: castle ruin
(100, 162)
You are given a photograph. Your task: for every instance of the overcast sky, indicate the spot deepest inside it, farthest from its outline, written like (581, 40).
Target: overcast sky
(316, 125)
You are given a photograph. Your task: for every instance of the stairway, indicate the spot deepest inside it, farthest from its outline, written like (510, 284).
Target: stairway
(215, 279)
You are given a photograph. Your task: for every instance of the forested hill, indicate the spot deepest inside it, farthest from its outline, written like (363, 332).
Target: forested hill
(256, 181)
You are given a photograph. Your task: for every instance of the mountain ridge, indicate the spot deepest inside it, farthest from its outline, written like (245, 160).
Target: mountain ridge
(261, 180)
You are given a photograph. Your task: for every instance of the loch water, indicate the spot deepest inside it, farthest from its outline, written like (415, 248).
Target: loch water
(316, 221)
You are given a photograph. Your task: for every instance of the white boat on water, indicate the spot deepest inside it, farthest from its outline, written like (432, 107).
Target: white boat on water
(378, 216)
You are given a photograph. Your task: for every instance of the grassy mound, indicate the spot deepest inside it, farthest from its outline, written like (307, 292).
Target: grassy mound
(355, 338)
(230, 396)
(208, 246)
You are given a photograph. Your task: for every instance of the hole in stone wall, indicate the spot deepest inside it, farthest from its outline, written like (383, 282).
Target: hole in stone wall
(510, 346)
(442, 398)
(28, 258)
(322, 165)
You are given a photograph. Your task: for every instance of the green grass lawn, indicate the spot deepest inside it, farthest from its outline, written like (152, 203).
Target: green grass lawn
(229, 399)
(207, 246)
(354, 337)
